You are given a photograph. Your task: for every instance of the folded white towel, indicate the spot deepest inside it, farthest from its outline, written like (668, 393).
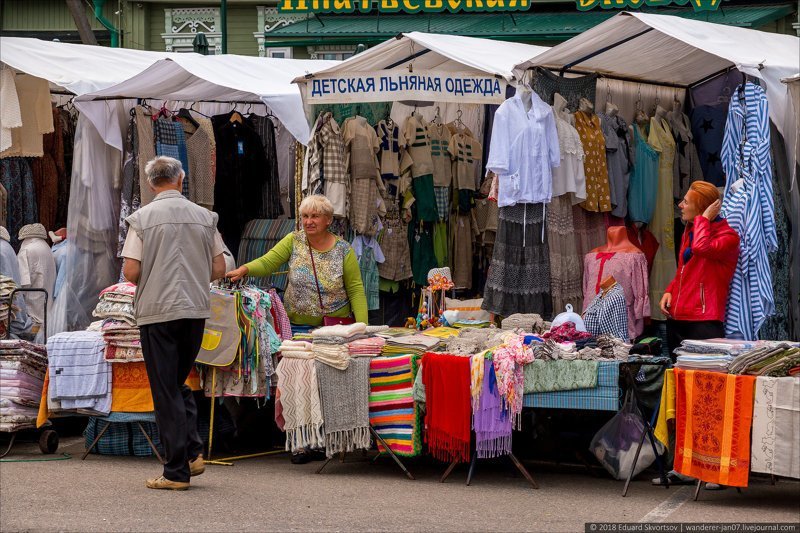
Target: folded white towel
(359, 328)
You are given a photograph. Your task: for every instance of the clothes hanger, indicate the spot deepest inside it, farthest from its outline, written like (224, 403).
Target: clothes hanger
(191, 108)
(185, 114)
(235, 115)
(607, 284)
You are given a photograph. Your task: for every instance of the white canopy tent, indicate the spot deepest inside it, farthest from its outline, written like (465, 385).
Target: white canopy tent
(678, 51)
(76, 68)
(194, 78)
(449, 53)
(417, 52)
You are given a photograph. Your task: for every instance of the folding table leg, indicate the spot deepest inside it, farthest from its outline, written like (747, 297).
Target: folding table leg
(523, 470)
(448, 471)
(391, 453)
(328, 460)
(697, 490)
(96, 439)
(635, 460)
(150, 442)
(472, 467)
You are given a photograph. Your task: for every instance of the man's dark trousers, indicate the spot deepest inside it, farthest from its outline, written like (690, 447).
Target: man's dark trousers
(170, 349)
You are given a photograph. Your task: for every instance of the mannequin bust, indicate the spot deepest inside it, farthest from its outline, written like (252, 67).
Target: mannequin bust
(560, 109)
(617, 241)
(586, 106)
(611, 109)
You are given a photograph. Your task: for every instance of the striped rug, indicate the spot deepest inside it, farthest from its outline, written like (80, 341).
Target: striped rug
(391, 406)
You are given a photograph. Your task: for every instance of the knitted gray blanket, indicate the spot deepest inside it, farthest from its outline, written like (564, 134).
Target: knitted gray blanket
(345, 405)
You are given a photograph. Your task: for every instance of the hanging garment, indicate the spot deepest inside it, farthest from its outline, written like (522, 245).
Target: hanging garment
(10, 113)
(569, 176)
(519, 275)
(714, 414)
(171, 142)
(15, 176)
(643, 184)
(565, 263)
(776, 424)
(327, 169)
(590, 232)
(598, 192)
(271, 190)
(466, 153)
(708, 128)
(630, 272)
(68, 123)
(201, 149)
(130, 193)
(239, 180)
(416, 142)
(439, 136)
(369, 256)
(423, 257)
(749, 207)
(662, 225)
(615, 130)
(524, 149)
(146, 150)
(392, 410)
(37, 117)
(608, 314)
(546, 85)
(47, 171)
(441, 244)
(393, 240)
(688, 168)
(3, 205)
(463, 235)
(366, 188)
(778, 326)
(389, 153)
(644, 241)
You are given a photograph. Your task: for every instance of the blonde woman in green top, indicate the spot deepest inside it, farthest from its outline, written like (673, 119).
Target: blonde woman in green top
(336, 264)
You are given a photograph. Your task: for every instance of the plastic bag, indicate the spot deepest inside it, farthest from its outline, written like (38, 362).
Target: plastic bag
(615, 443)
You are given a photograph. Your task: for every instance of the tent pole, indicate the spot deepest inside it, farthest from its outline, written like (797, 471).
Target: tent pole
(603, 50)
(712, 76)
(409, 58)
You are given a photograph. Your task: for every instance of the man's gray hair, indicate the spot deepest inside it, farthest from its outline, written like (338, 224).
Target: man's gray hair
(162, 170)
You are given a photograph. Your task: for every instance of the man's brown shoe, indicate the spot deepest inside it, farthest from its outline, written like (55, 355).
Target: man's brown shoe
(198, 466)
(163, 483)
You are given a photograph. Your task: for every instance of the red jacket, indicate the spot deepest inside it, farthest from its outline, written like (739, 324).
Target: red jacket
(701, 284)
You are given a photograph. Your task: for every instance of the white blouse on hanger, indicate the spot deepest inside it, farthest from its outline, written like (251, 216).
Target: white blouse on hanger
(569, 177)
(523, 149)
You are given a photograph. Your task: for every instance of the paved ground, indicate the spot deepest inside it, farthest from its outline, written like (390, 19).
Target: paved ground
(270, 494)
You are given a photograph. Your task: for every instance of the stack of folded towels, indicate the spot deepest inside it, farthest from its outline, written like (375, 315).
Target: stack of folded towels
(22, 369)
(415, 344)
(119, 329)
(704, 355)
(370, 347)
(296, 349)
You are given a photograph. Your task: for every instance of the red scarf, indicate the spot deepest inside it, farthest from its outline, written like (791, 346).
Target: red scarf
(448, 409)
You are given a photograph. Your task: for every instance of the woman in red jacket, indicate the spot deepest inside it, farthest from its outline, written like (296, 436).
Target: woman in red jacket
(695, 300)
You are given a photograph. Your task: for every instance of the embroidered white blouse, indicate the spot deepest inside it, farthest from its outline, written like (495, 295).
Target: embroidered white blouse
(523, 150)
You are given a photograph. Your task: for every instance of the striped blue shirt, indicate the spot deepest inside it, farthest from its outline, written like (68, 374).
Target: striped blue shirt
(749, 207)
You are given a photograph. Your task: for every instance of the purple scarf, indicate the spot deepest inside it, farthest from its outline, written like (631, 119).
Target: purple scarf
(492, 424)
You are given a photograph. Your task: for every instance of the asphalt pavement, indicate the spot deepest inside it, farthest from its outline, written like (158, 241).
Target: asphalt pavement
(106, 493)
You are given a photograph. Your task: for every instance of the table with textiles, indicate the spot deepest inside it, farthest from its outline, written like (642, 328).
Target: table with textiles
(736, 410)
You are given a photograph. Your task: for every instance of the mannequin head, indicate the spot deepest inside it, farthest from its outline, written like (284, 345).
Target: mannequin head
(700, 195)
(617, 241)
(586, 106)
(611, 109)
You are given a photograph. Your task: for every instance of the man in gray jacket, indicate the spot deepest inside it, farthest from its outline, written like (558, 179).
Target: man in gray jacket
(172, 252)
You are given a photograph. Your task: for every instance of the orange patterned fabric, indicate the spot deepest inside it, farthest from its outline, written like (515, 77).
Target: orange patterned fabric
(714, 414)
(130, 388)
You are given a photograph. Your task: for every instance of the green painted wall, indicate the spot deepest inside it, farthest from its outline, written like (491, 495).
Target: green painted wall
(49, 15)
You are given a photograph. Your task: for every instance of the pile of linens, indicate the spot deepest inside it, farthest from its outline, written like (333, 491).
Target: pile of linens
(118, 327)
(22, 370)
